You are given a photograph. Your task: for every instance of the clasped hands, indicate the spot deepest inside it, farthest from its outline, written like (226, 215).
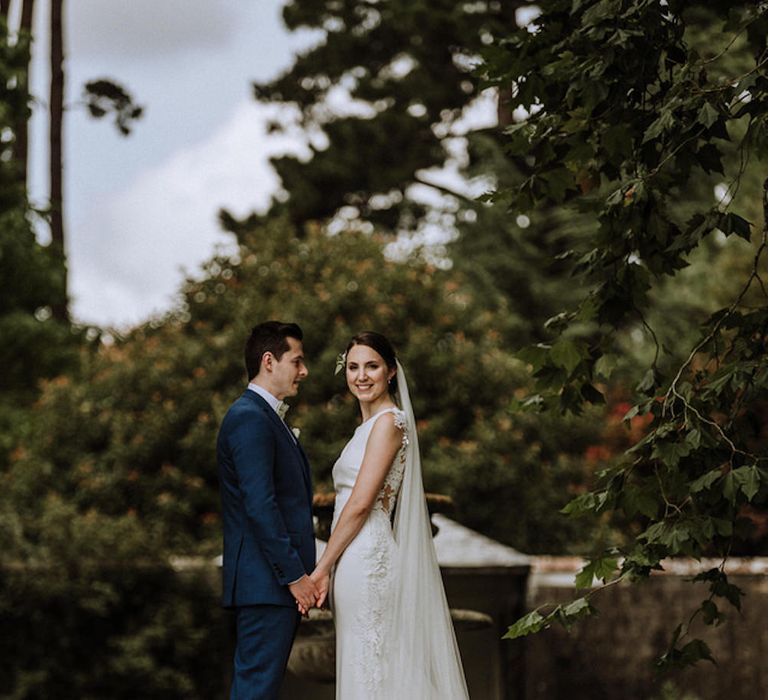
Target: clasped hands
(311, 591)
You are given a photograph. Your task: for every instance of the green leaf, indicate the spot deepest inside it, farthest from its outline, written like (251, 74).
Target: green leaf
(566, 353)
(576, 607)
(648, 382)
(707, 115)
(676, 538)
(695, 651)
(605, 366)
(601, 569)
(641, 499)
(653, 533)
(678, 658)
(751, 485)
(731, 487)
(664, 122)
(709, 159)
(694, 438)
(745, 479)
(705, 481)
(528, 624)
(534, 355)
(729, 591)
(585, 503)
(573, 612)
(710, 614)
(631, 413)
(719, 586)
(733, 223)
(670, 452)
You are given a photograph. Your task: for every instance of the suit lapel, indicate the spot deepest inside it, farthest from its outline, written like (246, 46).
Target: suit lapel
(276, 420)
(307, 470)
(283, 427)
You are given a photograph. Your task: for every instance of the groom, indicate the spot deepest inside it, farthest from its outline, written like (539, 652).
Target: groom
(266, 497)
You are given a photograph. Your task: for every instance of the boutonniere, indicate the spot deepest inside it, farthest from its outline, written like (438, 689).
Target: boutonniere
(296, 432)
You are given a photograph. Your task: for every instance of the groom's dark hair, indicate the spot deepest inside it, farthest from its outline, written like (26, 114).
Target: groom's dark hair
(269, 336)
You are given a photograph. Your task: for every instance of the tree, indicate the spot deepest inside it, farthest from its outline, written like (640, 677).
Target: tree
(102, 96)
(21, 151)
(35, 345)
(408, 67)
(56, 165)
(674, 95)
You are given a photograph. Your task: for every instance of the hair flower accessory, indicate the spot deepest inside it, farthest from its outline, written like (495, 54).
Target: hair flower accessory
(341, 362)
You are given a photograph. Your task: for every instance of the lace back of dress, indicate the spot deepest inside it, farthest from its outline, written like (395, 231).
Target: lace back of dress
(387, 498)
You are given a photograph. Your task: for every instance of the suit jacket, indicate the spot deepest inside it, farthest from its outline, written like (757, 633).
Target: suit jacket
(266, 497)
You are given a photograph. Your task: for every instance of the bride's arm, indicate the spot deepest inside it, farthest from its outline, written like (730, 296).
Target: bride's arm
(382, 447)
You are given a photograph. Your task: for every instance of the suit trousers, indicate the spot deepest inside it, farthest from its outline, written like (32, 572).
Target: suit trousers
(265, 635)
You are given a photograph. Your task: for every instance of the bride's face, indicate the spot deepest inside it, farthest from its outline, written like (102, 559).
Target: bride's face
(367, 374)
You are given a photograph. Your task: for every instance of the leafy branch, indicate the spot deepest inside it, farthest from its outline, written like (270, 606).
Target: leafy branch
(627, 134)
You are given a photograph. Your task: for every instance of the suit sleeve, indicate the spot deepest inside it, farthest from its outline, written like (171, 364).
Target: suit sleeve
(253, 452)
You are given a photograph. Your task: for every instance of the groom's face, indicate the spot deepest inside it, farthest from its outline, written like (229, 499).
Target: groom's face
(289, 370)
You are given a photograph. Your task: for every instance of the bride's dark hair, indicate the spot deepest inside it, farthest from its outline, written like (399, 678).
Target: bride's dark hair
(379, 343)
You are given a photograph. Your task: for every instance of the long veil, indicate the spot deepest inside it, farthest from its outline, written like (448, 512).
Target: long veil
(424, 655)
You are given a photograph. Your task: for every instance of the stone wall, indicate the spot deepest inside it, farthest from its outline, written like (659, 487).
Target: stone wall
(611, 656)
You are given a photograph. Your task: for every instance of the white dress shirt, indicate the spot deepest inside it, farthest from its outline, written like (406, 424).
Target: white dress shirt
(273, 402)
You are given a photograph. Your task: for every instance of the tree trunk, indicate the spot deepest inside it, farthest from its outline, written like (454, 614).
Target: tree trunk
(21, 145)
(5, 6)
(59, 306)
(26, 15)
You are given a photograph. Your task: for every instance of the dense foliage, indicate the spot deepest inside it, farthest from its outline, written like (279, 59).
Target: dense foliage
(118, 472)
(134, 437)
(94, 629)
(631, 107)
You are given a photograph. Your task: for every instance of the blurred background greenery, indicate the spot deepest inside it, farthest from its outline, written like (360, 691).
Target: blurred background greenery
(107, 464)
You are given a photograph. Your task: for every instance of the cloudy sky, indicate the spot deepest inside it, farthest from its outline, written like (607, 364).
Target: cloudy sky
(142, 211)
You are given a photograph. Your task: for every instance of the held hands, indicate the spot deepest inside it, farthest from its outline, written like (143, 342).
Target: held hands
(306, 594)
(311, 591)
(322, 580)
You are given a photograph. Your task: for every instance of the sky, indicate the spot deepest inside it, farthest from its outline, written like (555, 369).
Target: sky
(141, 212)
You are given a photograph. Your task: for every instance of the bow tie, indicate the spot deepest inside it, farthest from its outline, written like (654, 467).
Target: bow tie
(282, 409)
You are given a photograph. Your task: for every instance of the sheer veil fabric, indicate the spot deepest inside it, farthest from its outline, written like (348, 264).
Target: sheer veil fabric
(423, 660)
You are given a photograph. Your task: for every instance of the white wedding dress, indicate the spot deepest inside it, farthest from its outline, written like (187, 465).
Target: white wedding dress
(365, 572)
(394, 635)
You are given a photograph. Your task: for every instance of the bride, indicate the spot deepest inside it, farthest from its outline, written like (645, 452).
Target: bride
(394, 636)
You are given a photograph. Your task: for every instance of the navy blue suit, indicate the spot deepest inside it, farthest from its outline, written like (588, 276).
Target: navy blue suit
(266, 496)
